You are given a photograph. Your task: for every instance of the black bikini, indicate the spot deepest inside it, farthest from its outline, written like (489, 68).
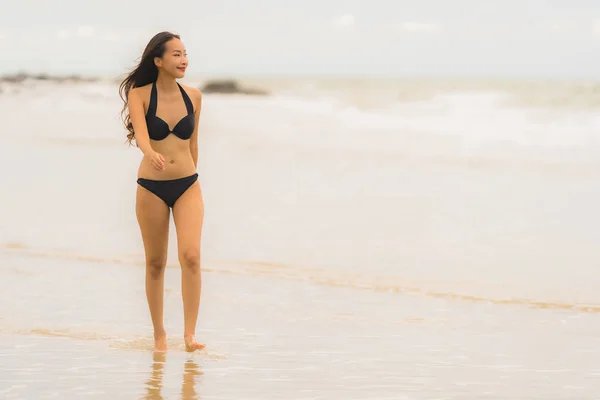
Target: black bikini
(159, 129)
(169, 190)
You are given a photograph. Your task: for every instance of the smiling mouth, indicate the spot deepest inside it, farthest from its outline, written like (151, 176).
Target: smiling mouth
(181, 68)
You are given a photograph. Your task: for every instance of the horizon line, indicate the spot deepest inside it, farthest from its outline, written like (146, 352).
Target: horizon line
(299, 75)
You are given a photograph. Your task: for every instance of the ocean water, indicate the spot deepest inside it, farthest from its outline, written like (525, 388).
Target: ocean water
(363, 239)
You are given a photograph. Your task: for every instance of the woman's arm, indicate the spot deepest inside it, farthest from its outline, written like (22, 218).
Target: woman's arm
(136, 114)
(197, 94)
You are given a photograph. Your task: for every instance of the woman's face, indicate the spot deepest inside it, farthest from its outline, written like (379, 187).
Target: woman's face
(174, 60)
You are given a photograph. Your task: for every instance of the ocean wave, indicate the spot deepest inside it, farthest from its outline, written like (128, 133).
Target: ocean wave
(448, 118)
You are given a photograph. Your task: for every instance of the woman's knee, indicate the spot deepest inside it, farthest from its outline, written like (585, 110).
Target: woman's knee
(190, 259)
(156, 266)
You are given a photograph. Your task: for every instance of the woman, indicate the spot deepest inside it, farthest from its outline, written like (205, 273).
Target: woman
(162, 116)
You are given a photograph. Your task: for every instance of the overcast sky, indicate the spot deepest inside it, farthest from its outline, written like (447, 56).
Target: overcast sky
(548, 38)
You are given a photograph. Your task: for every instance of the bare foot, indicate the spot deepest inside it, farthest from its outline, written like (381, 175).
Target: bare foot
(191, 344)
(160, 342)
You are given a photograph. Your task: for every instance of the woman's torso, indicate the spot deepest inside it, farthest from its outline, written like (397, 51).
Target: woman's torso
(176, 151)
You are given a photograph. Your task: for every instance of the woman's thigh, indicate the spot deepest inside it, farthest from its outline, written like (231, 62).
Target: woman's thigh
(153, 218)
(188, 215)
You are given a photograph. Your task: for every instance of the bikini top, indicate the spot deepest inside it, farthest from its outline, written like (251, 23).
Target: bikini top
(158, 129)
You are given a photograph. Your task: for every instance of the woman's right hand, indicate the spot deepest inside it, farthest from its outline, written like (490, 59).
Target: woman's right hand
(157, 161)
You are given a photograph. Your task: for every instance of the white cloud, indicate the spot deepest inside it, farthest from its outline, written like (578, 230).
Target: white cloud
(110, 37)
(596, 27)
(556, 27)
(344, 21)
(63, 34)
(85, 31)
(418, 27)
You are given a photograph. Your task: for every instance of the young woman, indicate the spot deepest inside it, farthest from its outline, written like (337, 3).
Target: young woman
(162, 116)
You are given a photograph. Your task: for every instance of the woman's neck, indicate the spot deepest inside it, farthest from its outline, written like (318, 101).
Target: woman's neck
(166, 84)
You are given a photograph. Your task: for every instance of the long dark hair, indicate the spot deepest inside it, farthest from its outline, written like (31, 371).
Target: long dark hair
(145, 73)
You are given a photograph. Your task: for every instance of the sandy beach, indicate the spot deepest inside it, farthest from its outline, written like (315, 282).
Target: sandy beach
(440, 245)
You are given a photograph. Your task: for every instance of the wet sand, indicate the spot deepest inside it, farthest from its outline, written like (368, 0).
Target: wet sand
(89, 337)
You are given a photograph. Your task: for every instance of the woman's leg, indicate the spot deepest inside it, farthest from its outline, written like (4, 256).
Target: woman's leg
(188, 214)
(153, 218)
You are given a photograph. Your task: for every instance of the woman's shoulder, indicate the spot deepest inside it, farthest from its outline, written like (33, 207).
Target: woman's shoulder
(194, 93)
(142, 90)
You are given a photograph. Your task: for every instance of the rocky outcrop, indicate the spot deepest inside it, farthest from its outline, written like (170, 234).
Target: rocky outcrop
(22, 77)
(231, 87)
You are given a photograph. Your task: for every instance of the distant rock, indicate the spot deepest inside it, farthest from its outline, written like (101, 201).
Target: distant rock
(230, 87)
(22, 77)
